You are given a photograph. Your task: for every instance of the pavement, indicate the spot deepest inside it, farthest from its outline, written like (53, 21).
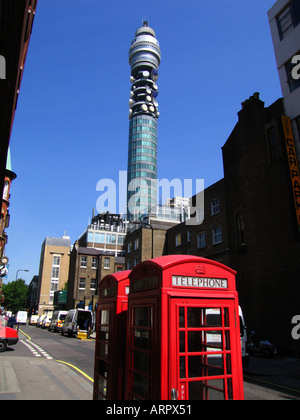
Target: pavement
(56, 381)
(280, 375)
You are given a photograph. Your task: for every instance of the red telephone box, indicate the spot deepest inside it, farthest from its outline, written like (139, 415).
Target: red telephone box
(183, 331)
(111, 323)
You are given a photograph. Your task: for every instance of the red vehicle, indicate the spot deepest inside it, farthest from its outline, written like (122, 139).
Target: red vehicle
(8, 337)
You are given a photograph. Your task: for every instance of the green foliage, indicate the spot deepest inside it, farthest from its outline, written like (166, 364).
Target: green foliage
(15, 294)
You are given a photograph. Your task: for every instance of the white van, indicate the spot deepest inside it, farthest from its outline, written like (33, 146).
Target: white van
(244, 339)
(58, 318)
(22, 317)
(77, 320)
(33, 319)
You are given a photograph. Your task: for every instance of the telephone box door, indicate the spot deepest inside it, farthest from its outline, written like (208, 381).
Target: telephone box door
(204, 359)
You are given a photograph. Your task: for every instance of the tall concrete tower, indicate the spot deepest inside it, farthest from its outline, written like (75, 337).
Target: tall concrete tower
(144, 59)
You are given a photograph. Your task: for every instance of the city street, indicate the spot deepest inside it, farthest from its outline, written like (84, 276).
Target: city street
(78, 353)
(265, 379)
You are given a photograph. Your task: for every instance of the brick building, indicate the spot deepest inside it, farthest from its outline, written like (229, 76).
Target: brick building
(263, 231)
(210, 238)
(87, 267)
(98, 251)
(53, 271)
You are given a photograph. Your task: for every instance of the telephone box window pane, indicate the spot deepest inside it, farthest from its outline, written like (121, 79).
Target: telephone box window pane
(214, 341)
(142, 339)
(227, 340)
(215, 365)
(140, 385)
(104, 334)
(181, 318)
(208, 390)
(195, 341)
(213, 317)
(228, 364)
(229, 389)
(141, 362)
(181, 341)
(182, 367)
(142, 317)
(194, 316)
(103, 350)
(105, 317)
(102, 387)
(226, 317)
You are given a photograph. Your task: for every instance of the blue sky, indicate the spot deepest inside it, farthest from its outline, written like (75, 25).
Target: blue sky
(71, 124)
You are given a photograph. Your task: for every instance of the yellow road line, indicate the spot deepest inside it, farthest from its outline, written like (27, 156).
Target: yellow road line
(78, 370)
(29, 338)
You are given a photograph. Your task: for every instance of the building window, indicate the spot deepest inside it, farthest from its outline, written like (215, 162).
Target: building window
(293, 82)
(121, 239)
(240, 229)
(55, 273)
(178, 239)
(82, 283)
(95, 262)
(136, 244)
(188, 236)
(5, 191)
(201, 242)
(106, 263)
(90, 237)
(83, 262)
(288, 19)
(93, 284)
(217, 235)
(215, 206)
(55, 267)
(274, 146)
(54, 287)
(129, 247)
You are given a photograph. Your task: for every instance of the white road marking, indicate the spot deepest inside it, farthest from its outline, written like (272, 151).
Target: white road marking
(36, 350)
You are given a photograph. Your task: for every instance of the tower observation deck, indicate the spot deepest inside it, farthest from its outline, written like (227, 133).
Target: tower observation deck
(144, 59)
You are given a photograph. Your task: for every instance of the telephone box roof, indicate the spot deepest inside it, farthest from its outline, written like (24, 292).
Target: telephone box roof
(168, 261)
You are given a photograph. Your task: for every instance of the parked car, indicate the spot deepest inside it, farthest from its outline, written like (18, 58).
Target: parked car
(58, 318)
(33, 319)
(8, 337)
(77, 320)
(46, 322)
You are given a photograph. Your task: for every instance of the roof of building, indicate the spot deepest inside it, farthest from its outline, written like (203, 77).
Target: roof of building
(65, 241)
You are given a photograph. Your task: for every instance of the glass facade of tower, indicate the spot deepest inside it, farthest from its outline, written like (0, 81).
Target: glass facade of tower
(142, 164)
(144, 59)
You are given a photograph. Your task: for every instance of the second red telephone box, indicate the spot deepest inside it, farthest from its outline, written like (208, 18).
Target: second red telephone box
(183, 331)
(111, 337)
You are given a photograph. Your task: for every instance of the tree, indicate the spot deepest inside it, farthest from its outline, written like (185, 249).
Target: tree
(15, 294)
